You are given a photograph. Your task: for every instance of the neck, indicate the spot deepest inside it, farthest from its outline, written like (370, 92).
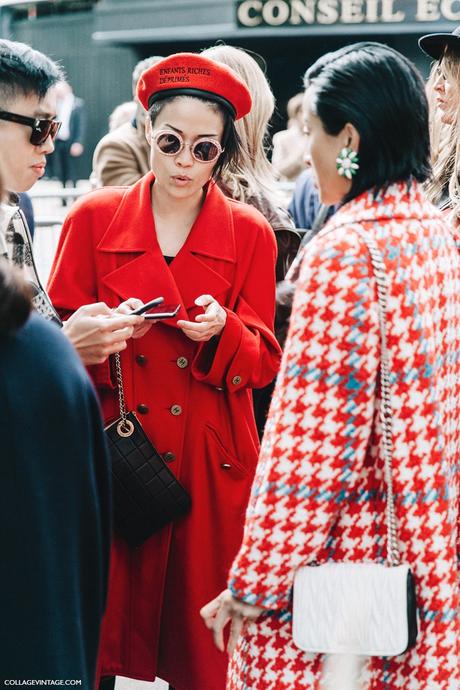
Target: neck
(165, 205)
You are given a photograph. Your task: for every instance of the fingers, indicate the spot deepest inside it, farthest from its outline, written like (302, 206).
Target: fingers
(141, 330)
(211, 312)
(97, 309)
(204, 300)
(236, 628)
(221, 619)
(209, 611)
(129, 305)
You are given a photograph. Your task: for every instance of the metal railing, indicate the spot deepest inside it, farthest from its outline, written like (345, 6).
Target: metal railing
(72, 193)
(65, 194)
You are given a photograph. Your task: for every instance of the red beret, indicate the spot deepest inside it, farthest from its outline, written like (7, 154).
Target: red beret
(190, 74)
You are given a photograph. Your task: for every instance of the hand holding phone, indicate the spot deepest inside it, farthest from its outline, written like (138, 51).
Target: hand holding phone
(148, 305)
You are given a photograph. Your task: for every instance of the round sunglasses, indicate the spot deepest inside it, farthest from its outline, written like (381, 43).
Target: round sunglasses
(203, 150)
(41, 129)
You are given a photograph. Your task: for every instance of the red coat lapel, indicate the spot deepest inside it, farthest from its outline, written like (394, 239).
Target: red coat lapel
(193, 271)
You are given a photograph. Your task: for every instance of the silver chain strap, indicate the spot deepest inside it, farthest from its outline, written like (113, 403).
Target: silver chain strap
(124, 427)
(378, 264)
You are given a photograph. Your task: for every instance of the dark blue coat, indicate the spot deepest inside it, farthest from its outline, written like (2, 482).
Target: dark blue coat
(54, 509)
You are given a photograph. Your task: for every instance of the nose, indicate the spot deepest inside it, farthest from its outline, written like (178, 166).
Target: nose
(439, 83)
(47, 147)
(184, 158)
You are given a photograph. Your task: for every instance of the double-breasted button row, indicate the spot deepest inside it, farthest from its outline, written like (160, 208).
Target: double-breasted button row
(142, 409)
(169, 456)
(141, 360)
(182, 362)
(176, 410)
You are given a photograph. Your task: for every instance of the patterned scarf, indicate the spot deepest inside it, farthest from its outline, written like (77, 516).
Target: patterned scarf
(16, 247)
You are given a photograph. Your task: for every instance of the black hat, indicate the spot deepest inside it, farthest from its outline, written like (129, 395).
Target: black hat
(435, 44)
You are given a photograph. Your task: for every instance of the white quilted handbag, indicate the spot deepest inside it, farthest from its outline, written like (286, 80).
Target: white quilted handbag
(366, 609)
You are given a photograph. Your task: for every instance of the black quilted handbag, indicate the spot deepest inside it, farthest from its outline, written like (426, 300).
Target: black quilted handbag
(146, 494)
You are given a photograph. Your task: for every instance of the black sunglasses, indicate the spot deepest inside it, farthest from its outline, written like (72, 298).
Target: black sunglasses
(41, 129)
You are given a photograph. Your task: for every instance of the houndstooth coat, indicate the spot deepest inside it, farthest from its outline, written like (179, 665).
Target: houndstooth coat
(317, 494)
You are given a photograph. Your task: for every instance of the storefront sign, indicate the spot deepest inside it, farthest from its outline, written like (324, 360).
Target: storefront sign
(252, 13)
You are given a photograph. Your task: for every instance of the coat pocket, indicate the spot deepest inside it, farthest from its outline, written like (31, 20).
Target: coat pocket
(222, 456)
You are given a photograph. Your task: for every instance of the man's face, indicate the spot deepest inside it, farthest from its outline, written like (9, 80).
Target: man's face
(22, 163)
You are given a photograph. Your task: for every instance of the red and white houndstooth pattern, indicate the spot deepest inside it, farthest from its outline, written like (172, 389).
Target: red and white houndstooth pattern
(317, 494)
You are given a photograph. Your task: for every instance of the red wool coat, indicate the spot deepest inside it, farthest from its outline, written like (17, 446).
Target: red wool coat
(194, 402)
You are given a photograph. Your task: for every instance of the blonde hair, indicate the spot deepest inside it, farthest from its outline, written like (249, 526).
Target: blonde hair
(445, 139)
(253, 174)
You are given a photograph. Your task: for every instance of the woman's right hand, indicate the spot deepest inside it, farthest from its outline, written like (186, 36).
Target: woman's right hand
(142, 326)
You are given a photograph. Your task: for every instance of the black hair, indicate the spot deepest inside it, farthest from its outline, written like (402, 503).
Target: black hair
(381, 93)
(15, 304)
(24, 71)
(230, 139)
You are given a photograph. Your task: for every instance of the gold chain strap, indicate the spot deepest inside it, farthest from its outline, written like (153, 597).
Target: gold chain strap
(125, 427)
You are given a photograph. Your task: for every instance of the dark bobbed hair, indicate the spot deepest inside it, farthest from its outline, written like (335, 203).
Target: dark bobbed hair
(25, 71)
(230, 139)
(15, 304)
(382, 94)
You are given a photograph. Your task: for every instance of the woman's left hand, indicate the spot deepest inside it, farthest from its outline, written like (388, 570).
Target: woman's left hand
(205, 325)
(226, 609)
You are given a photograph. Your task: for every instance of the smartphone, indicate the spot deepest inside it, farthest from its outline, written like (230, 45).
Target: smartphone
(148, 305)
(165, 311)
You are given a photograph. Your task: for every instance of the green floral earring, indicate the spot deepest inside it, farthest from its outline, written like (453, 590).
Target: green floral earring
(347, 163)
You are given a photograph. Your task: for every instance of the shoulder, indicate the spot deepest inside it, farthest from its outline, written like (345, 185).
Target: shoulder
(249, 223)
(97, 201)
(337, 249)
(121, 137)
(247, 214)
(42, 342)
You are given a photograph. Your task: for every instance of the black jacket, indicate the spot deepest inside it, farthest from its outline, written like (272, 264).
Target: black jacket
(54, 509)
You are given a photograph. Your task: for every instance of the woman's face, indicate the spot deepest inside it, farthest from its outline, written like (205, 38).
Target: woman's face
(323, 149)
(181, 175)
(447, 94)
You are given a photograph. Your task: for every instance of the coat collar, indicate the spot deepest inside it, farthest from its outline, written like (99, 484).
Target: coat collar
(132, 231)
(397, 201)
(208, 236)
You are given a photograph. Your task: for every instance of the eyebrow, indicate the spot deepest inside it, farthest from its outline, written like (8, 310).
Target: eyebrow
(199, 136)
(44, 115)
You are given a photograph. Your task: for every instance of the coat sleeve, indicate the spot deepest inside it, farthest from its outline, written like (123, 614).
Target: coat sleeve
(246, 354)
(319, 425)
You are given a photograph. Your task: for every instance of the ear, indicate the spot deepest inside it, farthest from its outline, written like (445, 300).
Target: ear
(148, 130)
(351, 138)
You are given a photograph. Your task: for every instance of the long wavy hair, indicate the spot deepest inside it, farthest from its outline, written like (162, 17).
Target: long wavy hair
(15, 302)
(252, 174)
(443, 188)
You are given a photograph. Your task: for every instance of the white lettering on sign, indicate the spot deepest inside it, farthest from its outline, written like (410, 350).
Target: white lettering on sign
(249, 13)
(328, 12)
(427, 10)
(448, 11)
(389, 14)
(276, 12)
(253, 13)
(352, 12)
